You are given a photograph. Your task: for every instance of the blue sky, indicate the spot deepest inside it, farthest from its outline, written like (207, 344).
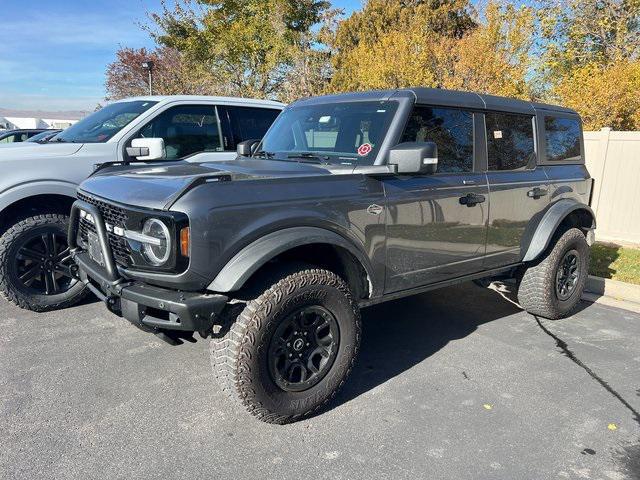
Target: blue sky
(53, 54)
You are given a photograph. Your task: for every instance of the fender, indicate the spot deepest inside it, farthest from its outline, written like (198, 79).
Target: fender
(549, 224)
(31, 189)
(246, 262)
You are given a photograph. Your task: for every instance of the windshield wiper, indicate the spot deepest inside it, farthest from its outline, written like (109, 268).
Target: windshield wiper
(302, 156)
(264, 154)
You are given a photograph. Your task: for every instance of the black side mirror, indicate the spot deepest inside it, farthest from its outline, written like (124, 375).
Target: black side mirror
(246, 148)
(415, 157)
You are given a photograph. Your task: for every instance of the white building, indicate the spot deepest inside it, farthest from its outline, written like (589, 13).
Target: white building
(9, 123)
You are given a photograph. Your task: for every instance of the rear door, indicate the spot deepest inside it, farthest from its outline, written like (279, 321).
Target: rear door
(518, 186)
(436, 224)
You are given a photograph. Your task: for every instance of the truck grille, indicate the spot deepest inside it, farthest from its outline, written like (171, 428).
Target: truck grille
(114, 216)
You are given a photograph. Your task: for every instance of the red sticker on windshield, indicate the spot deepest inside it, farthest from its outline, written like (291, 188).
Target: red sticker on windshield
(364, 149)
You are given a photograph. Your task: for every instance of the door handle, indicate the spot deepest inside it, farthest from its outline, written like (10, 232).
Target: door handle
(472, 199)
(537, 192)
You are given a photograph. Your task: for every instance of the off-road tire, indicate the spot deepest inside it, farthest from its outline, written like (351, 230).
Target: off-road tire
(10, 287)
(240, 357)
(537, 292)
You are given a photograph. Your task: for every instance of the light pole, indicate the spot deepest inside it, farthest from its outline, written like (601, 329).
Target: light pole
(148, 66)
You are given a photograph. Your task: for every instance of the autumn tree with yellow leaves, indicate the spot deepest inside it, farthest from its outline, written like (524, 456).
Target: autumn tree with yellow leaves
(434, 44)
(591, 59)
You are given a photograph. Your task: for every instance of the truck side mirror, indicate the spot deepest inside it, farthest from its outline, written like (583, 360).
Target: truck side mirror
(246, 148)
(146, 149)
(415, 157)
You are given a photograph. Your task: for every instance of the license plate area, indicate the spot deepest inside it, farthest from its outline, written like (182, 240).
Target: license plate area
(95, 250)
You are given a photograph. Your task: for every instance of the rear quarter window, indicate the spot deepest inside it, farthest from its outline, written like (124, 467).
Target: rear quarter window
(562, 135)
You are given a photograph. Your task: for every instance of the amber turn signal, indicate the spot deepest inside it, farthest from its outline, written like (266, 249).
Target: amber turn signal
(185, 241)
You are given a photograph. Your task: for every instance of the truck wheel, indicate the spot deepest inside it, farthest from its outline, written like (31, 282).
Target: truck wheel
(552, 286)
(35, 264)
(290, 349)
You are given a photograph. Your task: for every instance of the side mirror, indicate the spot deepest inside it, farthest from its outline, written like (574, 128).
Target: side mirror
(246, 148)
(146, 149)
(415, 157)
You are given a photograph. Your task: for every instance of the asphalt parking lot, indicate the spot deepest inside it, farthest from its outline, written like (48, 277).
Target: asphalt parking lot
(457, 383)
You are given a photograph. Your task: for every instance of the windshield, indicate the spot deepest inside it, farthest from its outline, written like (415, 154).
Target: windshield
(105, 123)
(347, 133)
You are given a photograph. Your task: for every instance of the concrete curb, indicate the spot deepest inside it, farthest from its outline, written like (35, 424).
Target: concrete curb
(603, 288)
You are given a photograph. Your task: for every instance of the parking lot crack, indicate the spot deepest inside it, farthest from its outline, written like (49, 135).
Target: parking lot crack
(564, 347)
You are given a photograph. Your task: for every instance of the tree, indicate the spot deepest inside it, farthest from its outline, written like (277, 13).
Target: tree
(249, 46)
(590, 59)
(577, 33)
(172, 75)
(604, 96)
(392, 44)
(494, 57)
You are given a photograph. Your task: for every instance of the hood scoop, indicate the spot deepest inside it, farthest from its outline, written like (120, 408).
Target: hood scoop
(197, 181)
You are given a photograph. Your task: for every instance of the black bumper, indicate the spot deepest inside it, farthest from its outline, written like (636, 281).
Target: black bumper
(148, 307)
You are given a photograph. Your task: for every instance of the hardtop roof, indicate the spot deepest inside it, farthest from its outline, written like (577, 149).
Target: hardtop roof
(438, 96)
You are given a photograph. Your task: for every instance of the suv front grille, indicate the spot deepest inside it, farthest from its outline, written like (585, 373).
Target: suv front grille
(114, 216)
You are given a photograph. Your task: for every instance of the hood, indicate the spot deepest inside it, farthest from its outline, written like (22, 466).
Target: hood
(157, 186)
(21, 150)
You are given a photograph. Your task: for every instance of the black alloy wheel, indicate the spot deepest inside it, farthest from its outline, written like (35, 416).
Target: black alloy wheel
(303, 348)
(43, 264)
(567, 275)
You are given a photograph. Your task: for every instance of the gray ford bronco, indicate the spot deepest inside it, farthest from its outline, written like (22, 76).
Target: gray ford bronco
(348, 201)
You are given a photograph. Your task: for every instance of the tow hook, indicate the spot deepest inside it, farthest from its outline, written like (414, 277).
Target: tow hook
(113, 304)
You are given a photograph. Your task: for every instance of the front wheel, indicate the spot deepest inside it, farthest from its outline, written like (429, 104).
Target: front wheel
(35, 264)
(291, 348)
(552, 286)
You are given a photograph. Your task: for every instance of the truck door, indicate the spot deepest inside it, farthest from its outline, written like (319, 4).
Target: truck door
(519, 188)
(436, 224)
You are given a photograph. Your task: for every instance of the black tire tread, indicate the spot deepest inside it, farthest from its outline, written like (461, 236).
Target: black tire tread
(6, 239)
(228, 352)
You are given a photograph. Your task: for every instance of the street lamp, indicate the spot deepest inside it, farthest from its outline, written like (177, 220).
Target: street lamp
(148, 66)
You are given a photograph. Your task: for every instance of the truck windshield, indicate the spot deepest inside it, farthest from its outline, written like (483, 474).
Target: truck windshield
(348, 133)
(100, 126)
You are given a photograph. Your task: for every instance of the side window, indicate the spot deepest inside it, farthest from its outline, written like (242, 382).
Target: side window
(11, 138)
(510, 144)
(249, 122)
(450, 129)
(186, 129)
(562, 136)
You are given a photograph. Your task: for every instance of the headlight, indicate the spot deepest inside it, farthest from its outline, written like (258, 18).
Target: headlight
(158, 252)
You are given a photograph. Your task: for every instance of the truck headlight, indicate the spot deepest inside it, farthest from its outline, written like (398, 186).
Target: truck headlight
(156, 252)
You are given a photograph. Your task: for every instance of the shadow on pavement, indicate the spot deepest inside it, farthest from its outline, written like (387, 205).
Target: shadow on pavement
(400, 334)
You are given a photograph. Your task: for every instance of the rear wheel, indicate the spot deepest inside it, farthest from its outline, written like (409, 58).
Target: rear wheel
(290, 349)
(552, 286)
(35, 265)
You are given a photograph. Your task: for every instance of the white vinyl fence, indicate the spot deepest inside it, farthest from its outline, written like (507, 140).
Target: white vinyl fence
(613, 159)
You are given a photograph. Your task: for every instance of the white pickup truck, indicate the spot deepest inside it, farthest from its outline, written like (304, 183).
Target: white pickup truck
(38, 180)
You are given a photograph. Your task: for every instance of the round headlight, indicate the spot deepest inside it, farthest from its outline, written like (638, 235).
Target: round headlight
(157, 254)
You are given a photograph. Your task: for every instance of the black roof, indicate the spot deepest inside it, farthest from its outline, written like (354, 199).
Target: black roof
(438, 96)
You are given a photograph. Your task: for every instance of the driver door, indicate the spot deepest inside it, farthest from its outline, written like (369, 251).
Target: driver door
(437, 224)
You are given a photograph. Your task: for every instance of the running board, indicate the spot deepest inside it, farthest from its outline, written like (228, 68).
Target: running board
(367, 302)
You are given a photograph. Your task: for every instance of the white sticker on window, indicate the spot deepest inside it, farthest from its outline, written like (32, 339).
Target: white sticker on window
(325, 119)
(497, 134)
